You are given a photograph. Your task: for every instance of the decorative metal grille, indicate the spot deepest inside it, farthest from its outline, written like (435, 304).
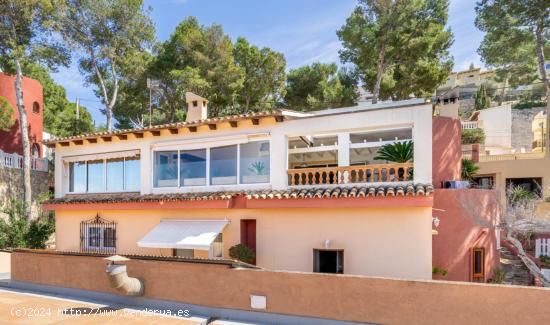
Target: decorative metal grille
(98, 235)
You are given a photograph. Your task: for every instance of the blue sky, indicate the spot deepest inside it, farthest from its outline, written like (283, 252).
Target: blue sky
(304, 30)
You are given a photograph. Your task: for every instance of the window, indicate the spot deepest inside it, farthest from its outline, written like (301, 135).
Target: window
(216, 249)
(98, 235)
(193, 167)
(223, 165)
(478, 262)
(254, 162)
(166, 169)
(106, 175)
(77, 179)
(247, 163)
(36, 108)
(115, 175)
(328, 261)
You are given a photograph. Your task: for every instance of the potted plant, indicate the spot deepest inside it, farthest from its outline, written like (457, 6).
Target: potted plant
(259, 173)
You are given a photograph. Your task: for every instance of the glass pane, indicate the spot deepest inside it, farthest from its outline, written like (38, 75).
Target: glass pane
(255, 162)
(77, 171)
(96, 176)
(132, 174)
(166, 169)
(223, 165)
(115, 175)
(193, 167)
(109, 236)
(94, 237)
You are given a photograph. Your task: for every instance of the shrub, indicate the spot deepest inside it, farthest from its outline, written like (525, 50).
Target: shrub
(499, 276)
(529, 104)
(17, 232)
(471, 136)
(468, 169)
(438, 271)
(242, 253)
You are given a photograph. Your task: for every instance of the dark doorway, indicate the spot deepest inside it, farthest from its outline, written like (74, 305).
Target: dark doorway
(248, 234)
(328, 261)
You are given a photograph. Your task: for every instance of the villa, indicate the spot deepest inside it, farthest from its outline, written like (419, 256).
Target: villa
(302, 190)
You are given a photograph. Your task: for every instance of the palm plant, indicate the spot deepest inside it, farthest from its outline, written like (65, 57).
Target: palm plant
(468, 170)
(399, 152)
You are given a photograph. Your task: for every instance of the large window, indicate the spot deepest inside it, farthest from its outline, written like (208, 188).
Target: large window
(166, 168)
(105, 175)
(223, 165)
(193, 167)
(247, 163)
(255, 162)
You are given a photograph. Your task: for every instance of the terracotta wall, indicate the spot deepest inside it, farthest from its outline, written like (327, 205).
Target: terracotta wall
(10, 141)
(446, 149)
(373, 239)
(342, 297)
(467, 219)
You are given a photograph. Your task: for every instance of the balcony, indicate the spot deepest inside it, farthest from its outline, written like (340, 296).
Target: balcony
(362, 174)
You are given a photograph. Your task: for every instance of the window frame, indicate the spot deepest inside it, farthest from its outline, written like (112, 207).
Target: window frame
(480, 275)
(36, 108)
(124, 190)
(208, 148)
(337, 251)
(99, 225)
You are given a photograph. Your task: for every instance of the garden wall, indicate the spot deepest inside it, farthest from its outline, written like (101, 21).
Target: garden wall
(341, 297)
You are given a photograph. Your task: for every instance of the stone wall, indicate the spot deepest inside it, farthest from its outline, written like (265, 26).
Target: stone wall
(11, 186)
(522, 134)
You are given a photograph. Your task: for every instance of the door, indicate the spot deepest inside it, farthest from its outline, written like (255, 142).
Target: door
(248, 235)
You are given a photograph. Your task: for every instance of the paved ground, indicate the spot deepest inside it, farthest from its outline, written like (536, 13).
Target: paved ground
(18, 307)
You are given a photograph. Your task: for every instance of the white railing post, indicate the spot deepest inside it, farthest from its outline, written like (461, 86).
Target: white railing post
(537, 247)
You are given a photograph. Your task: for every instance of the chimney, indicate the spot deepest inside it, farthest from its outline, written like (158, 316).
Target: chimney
(197, 107)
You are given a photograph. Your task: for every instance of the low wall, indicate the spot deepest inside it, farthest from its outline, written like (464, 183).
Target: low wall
(341, 297)
(468, 218)
(5, 262)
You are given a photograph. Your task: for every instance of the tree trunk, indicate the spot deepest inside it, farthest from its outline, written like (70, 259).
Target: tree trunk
(542, 71)
(379, 74)
(25, 140)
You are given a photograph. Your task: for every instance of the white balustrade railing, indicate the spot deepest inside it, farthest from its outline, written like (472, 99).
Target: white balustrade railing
(13, 160)
(469, 125)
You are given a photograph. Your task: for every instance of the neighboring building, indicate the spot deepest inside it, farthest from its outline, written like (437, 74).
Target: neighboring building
(465, 244)
(302, 190)
(10, 141)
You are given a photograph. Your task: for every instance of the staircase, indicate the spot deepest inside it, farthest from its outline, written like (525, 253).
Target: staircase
(516, 272)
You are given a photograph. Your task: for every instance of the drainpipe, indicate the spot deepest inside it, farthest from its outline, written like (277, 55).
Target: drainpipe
(119, 279)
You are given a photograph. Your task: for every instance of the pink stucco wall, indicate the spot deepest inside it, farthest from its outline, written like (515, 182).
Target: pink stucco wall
(468, 219)
(446, 149)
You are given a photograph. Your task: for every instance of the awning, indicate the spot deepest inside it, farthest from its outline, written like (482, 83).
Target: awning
(104, 155)
(183, 234)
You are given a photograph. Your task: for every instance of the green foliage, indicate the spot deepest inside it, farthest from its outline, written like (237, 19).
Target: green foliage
(400, 48)
(439, 271)
(482, 100)
(6, 115)
(209, 51)
(59, 114)
(509, 45)
(319, 86)
(468, 170)
(257, 168)
(264, 76)
(17, 232)
(399, 152)
(107, 34)
(519, 196)
(472, 136)
(529, 104)
(499, 276)
(242, 253)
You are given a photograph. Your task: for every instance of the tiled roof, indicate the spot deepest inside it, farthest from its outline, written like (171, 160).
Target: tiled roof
(306, 193)
(169, 126)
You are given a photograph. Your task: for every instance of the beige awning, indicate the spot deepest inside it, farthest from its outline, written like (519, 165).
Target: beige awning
(184, 234)
(104, 155)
